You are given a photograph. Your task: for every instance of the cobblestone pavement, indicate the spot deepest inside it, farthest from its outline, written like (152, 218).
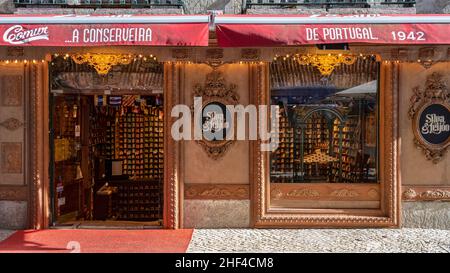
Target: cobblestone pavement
(320, 240)
(5, 234)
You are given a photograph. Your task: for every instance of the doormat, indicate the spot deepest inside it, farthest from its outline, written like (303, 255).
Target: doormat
(98, 241)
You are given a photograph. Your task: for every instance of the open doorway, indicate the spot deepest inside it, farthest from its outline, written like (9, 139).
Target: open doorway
(107, 143)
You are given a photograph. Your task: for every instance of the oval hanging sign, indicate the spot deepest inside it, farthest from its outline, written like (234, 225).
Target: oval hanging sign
(434, 124)
(429, 112)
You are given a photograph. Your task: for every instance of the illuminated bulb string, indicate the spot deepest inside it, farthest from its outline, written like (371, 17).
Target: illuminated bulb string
(135, 57)
(32, 61)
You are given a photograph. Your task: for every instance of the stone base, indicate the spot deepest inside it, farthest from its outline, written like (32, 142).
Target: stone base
(216, 213)
(434, 215)
(13, 214)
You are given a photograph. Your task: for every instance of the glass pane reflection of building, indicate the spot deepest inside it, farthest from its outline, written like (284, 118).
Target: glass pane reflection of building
(328, 124)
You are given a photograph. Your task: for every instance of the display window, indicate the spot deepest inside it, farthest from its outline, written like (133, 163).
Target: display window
(328, 131)
(107, 147)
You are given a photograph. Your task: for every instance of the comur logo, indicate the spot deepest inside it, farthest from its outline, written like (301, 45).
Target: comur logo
(17, 35)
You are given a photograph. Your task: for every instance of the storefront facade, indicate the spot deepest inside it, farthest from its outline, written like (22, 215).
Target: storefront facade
(232, 184)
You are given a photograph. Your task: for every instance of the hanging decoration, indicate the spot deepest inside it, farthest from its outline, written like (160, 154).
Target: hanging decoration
(429, 112)
(326, 63)
(102, 63)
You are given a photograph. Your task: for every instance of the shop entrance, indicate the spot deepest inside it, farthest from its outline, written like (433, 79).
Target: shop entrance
(106, 143)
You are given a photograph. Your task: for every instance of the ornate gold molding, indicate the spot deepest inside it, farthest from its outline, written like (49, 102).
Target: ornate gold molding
(13, 193)
(434, 92)
(217, 191)
(214, 54)
(345, 193)
(172, 180)
(15, 51)
(263, 215)
(303, 193)
(426, 56)
(324, 191)
(180, 54)
(250, 54)
(326, 63)
(102, 63)
(426, 193)
(215, 89)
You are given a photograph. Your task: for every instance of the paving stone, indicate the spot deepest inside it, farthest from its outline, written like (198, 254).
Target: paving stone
(5, 234)
(320, 240)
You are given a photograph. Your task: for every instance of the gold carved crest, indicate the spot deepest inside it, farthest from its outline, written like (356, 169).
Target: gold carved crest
(215, 90)
(435, 96)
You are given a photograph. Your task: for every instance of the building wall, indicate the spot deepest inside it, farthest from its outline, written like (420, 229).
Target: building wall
(414, 167)
(13, 179)
(231, 169)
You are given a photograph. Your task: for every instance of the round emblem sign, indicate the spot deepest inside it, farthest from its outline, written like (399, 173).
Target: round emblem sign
(434, 124)
(215, 121)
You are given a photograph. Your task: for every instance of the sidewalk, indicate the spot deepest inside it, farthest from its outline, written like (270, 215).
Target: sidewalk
(5, 234)
(320, 240)
(271, 240)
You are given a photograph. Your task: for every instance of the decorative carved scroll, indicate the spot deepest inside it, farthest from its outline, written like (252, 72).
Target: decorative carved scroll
(216, 191)
(12, 124)
(180, 53)
(437, 93)
(250, 54)
(11, 157)
(11, 90)
(426, 55)
(215, 90)
(426, 193)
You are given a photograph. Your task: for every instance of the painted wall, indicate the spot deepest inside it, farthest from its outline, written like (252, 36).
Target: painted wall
(415, 169)
(198, 167)
(232, 168)
(13, 212)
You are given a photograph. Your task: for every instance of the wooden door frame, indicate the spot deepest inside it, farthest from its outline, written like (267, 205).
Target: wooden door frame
(262, 216)
(39, 153)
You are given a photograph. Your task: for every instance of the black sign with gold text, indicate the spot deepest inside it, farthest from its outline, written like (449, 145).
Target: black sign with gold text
(434, 124)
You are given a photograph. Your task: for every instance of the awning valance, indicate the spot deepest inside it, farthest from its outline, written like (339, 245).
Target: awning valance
(82, 30)
(276, 30)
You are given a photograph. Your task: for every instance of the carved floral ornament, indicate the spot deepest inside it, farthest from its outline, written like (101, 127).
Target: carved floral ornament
(326, 63)
(278, 193)
(12, 124)
(198, 191)
(215, 91)
(426, 195)
(102, 63)
(431, 130)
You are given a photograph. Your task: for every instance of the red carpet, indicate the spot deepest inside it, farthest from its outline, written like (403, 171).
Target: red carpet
(91, 241)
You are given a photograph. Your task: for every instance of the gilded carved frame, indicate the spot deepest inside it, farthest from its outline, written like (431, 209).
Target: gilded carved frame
(389, 213)
(215, 90)
(435, 91)
(39, 201)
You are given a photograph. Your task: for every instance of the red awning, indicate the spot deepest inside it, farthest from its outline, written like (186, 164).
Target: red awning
(248, 31)
(82, 30)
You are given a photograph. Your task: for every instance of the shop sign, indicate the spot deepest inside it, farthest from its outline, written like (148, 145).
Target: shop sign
(216, 119)
(72, 33)
(434, 124)
(253, 31)
(430, 115)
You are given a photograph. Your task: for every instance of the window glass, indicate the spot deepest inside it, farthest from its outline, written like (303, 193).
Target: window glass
(328, 123)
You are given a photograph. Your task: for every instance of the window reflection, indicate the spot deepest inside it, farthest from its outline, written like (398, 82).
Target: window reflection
(328, 125)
